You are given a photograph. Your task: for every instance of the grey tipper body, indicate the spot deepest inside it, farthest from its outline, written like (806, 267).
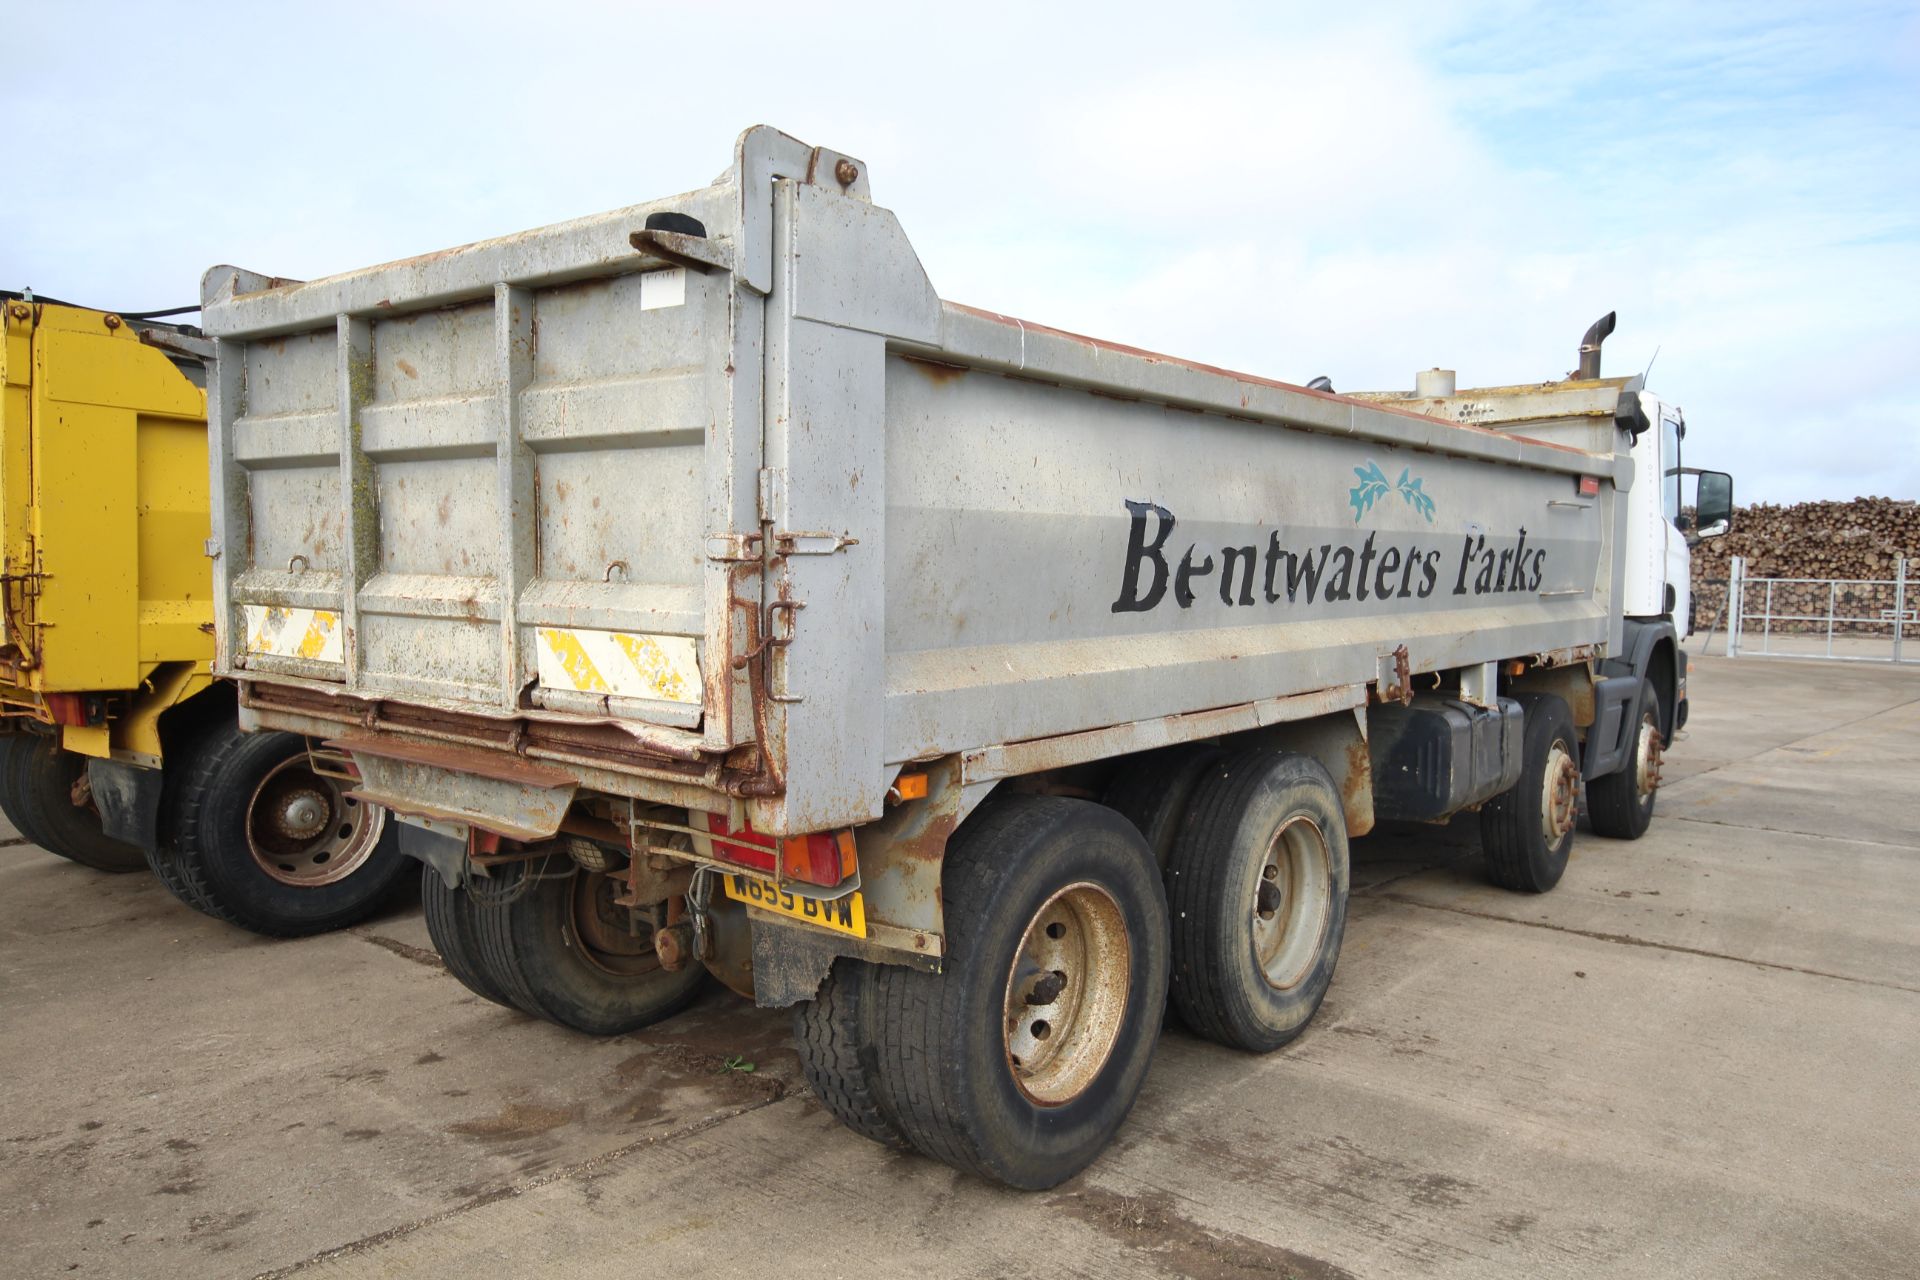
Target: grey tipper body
(454, 450)
(707, 596)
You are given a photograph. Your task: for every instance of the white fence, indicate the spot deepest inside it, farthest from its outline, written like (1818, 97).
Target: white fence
(1844, 619)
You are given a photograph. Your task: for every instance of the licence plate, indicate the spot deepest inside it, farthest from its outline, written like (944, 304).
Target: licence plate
(847, 914)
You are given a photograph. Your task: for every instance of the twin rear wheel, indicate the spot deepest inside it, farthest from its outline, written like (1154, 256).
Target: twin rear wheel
(547, 937)
(1023, 1056)
(1021, 1059)
(253, 835)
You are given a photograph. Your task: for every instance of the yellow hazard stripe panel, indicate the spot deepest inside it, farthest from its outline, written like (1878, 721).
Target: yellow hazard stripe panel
(313, 634)
(621, 663)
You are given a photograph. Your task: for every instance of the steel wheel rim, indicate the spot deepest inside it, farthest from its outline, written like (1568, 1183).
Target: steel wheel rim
(603, 928)
(1559, 794)
(304, 830)
(1292, 902)
(1066, 996)
(1649, 751)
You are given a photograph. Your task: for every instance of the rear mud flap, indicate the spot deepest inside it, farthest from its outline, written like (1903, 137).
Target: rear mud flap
(128, 798)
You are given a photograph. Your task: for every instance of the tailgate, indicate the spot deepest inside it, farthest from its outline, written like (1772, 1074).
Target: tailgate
(484, 480)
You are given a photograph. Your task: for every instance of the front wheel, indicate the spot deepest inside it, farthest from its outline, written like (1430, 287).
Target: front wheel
(1620, 805)
(261, 840)
(1527, 830)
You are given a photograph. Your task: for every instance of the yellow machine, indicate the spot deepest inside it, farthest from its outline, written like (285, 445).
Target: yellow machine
(120, 750)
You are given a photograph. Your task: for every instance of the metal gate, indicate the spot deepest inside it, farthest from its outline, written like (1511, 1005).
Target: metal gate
(1842, 619)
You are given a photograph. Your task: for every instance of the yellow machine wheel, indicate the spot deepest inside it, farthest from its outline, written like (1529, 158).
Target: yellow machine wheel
(43, 794)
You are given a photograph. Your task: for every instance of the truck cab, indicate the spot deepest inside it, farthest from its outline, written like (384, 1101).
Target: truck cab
(1670, 508)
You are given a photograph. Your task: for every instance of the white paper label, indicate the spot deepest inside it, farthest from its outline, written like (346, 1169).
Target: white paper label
(663, 288)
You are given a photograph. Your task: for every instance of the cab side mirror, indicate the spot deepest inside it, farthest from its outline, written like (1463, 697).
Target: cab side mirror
(1713, 513)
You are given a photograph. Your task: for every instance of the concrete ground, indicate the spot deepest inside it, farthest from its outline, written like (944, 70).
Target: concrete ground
(1699, 1056)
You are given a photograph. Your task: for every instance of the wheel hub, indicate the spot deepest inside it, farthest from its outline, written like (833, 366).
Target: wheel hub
(1560, 798)
(613, 938)
(304, 830)
(1292, 901)
(1066, 994)
(1650, 750)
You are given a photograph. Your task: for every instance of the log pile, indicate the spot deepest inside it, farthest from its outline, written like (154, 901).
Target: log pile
(1857, 542)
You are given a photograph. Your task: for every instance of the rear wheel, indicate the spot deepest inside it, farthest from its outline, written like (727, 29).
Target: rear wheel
(48, 799)
(557, 944)
(840, 1057)
(1023, 1057)
(1152, 791)
(1620, 805)
(1257, 889)
(1527, 830)
(10, 804)
(262, 841)
(452, 930)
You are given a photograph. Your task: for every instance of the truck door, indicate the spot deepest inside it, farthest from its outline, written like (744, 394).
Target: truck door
(1672, 431)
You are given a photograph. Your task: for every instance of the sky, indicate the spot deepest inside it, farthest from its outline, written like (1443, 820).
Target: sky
(1358, 190)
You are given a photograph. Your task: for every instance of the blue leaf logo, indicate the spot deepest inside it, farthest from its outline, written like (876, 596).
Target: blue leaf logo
(1373, 486)
(1416, 496)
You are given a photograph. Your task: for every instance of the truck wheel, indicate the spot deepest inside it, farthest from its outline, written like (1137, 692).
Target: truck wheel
(558, 940)
(1527, 830)
(840, 1058)
(1620, 804)
(1151, 790)
(450, 926)
(1022, 1059)
(262, 841)
(40, 788)
(10, 804)
(1257, 889)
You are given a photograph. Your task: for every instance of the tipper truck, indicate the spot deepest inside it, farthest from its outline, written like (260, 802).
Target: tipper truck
(712, 596)
(118, 748)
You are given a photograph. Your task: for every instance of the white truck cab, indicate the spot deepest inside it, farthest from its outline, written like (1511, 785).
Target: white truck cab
(1669, 506)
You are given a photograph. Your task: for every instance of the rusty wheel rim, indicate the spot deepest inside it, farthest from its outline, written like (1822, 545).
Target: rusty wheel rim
(304, 830)
(1559, 794)
(1292, 902)
(1649, 751)
(1066, 996)
(612, 939)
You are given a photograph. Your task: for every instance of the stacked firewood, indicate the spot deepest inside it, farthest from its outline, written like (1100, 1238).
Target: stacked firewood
(1855, 543)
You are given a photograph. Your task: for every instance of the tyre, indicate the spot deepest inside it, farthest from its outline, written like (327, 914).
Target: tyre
(838, 1056)
(452, 930)
(42, 781)
(1257, 889)
(1620, 805)
(561, 948)
(1151, 790)
(1023, 1057)
(260, 840)
(10, 804)
(1526, 831)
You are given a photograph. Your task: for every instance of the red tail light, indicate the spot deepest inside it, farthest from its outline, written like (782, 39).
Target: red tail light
(824, 857)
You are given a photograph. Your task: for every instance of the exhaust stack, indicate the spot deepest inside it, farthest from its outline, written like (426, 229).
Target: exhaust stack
(1590, 347)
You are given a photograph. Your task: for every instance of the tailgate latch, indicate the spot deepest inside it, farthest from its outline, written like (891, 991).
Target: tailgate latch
(798, 543)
